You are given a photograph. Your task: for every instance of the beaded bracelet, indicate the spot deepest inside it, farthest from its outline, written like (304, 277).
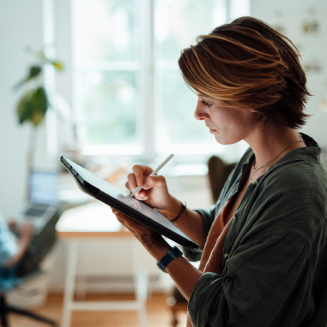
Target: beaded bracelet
(183, 208)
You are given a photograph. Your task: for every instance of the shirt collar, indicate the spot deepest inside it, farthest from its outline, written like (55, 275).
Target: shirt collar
(311, 152)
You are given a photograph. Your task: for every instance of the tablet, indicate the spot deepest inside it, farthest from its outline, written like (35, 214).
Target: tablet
(131, 207)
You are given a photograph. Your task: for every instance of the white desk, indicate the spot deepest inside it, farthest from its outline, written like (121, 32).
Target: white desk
(94, 221)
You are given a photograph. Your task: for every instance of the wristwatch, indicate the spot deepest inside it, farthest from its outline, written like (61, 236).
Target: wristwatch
(172, 254)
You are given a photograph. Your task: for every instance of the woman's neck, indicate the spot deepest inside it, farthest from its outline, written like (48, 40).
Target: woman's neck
(268, 142)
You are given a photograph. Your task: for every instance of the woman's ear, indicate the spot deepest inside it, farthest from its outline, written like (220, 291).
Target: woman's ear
(257, 114)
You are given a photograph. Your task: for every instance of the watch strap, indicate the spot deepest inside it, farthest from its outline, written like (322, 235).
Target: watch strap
(172, 254)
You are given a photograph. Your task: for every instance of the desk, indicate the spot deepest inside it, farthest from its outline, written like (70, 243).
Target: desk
(96, 221)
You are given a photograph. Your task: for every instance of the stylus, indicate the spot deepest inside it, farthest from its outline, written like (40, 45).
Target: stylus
(153, 173)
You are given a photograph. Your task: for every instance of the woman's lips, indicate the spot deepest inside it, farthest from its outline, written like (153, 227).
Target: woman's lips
(211, 130)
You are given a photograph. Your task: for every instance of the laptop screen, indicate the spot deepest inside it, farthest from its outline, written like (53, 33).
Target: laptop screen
(43, 187)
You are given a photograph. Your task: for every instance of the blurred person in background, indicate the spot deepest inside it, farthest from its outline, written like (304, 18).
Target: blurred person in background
(15, 238)
(263, 244)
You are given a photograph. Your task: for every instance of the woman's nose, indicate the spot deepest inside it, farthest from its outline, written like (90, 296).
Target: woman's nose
(200, 113)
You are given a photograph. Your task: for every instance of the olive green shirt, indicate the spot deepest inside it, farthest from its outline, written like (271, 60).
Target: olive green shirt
(275, 251)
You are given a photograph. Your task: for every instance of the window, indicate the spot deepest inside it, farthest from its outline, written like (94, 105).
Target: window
(129, 94)
(108, 73)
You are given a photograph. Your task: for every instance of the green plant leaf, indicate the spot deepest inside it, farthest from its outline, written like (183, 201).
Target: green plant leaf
(24, 109)
(33, 72)
(39, 103)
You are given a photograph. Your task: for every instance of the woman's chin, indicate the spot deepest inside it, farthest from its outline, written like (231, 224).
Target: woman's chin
(225, 141)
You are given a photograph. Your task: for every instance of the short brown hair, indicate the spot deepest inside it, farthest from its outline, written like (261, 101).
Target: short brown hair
(248, 64)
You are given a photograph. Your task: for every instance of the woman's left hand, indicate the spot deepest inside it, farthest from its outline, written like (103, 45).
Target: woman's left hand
(149, 238)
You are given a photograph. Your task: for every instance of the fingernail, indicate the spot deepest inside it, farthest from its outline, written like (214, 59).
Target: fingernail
(146, 185)
(139, 182)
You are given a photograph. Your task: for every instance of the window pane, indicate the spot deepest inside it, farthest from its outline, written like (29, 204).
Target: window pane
(178, 23)
(108, 102)
(178, 124)
(111, 30)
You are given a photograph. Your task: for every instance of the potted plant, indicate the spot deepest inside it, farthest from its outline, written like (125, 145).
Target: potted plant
(36, 100)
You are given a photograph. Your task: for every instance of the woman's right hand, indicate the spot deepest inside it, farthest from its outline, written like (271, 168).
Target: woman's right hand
(154, 192)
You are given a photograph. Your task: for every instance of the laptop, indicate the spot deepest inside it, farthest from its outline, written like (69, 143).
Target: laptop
(42, 203)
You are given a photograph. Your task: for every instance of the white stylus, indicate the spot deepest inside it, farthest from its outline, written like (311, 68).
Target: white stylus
(153, 173)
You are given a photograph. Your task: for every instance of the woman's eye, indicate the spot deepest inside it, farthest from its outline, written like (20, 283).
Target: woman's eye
(206, 103)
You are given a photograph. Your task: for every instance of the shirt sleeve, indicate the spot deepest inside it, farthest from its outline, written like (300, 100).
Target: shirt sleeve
(8, 245)
(256, 283)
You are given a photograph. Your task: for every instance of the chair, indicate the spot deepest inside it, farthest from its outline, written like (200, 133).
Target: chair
(5, 309)
(218, 172)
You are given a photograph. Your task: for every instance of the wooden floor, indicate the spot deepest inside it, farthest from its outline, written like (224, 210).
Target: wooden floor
(158, 314)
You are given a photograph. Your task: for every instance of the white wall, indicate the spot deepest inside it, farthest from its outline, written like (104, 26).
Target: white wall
(20, 26)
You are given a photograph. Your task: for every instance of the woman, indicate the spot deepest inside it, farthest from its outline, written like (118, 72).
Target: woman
(264, 258)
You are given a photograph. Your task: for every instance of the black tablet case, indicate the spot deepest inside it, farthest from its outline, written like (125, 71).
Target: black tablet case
(99, 189)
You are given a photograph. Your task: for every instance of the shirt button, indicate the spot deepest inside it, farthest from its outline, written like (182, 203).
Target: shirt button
(255, 183)
(234, 216)
(226, 255)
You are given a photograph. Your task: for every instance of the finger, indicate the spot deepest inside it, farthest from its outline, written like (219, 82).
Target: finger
(142, 194)
(132, 182)
(120, 216)
(117, 213)
(132, 186)
(141, 172)
(156, 180)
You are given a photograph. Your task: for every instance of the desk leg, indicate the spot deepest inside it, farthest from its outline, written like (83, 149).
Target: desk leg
(140, 282)
(81, 285)
(70, 282)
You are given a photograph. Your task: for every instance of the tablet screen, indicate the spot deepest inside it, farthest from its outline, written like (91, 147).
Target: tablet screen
(123, 197)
